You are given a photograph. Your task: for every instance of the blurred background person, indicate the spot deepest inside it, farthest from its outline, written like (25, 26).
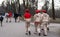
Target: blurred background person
(1, 18)
(37, 21)
(45, 21)
(15, 16)
(8, 16)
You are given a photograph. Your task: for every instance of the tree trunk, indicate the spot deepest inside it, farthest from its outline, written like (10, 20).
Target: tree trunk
(36, 4)
(53, 11)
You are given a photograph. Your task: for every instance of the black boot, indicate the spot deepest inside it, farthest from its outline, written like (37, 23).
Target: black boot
(39, 34)
(9, 21)
(44, 34)
(42, 29)
(47, 28)
(29, 33)
(26, 33)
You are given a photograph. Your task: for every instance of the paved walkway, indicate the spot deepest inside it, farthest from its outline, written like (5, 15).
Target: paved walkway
(18, 30)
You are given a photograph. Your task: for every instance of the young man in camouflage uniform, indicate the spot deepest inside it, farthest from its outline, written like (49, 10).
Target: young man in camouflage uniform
(45, 21)
(37, 21)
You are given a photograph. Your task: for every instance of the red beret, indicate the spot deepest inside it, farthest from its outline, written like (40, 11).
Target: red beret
(44, 11)
(27, 10)
(37, 11)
